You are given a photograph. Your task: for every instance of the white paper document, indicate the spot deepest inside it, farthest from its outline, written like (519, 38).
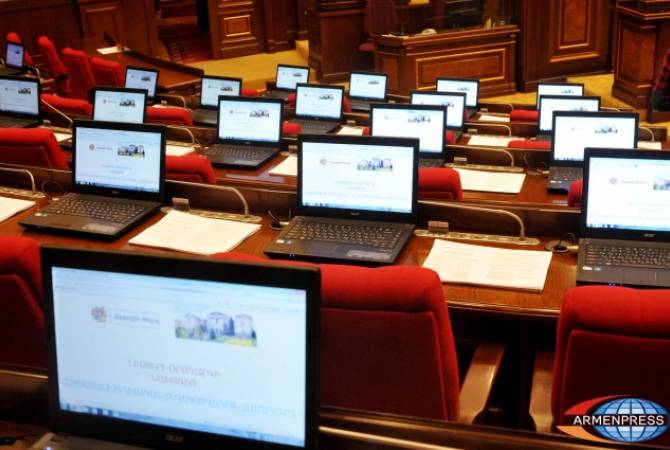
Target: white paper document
(189, 233)
(12, 206)
(178, 150)
(493, 118)
(489, 266)
(350, 130)
(62, 137)
(651, 145)
(286, 168)
(480, 180)
(491, 140)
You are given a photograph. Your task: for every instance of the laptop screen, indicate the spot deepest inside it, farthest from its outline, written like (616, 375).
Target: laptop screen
(289, 76)
(119, 105)
(425, 124)
(549, 104)
(573, 132)
(258, 120)
(142, 79)
(558, 89)
(212, 88)
(319, 101)
(123, 159)
(353, 176)
(19, 96)
(628, 194)
(14, 56)
(367, 85)
(454, 102)
(469, 87)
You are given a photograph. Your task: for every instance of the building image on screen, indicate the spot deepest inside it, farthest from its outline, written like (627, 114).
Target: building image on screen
(142, 79)
(464, 86)
(119, 106)
(572, 134)
(289, 77)
(19, 96)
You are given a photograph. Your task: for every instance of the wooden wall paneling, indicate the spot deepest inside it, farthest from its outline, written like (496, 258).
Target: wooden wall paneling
(100, 17)
(143, 39)
(281, 24)
(302, 20)
(236, 27)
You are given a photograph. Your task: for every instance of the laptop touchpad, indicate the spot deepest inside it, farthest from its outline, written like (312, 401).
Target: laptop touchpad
(639, 277)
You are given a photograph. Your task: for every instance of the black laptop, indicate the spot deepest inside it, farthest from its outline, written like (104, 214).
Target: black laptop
(155, 352)
(112, 104)
(425, 122)
(625, 232)
(318, 108)
(287, 79)
(142, 78)
(19, 102)
(572, 103)
(453, 101)
(211, 88)
(248, 132)
(14, 64)
(574, 131)
(558, 89)
(366, 88)
(466, 85)
(357, 199)
(117, 180)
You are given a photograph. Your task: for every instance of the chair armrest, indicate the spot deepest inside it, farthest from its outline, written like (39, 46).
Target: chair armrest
(540, 392)
(478, 383)
(172, 99)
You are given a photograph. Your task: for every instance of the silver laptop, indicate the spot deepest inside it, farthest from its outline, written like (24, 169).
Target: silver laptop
(318, 108)
(453, 101)
(468, 86)
(126, 105)
(211, 88)
(288, 77)
(625, 234)
(366, 88)
(551, 103)
(558, 89)
(19, 102)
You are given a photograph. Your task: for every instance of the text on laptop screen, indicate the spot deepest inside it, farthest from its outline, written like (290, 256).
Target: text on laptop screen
(559, 89)
(466, 86)
(357, 176)
(428, 126)
(455, 106)
(288, 77)
(632, 194)
(574, 133)
(118, 159)
(142, 79)
(14, 56)
(253, 121)
(118, 106)
(318, 102)
(19, 96)
(367, 86)
(549, 105)
(212, 88)
(183, 353)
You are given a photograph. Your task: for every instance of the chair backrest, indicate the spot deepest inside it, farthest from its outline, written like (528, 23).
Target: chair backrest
(440, 182)
(21, 316)
(194, 168)
(15, 38)
(55, 65)
(575, 193)
(107, 73)
(170, 115)
(31, 147)
(380, 17)
(612, 341)
(70, 106)
(81, 75)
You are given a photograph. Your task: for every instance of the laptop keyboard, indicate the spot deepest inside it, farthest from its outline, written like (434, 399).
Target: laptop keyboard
(316, 126)
(9, 122)
(237, 151)
(616, 255)
(567, 173)
(373, 236)
(98, 209)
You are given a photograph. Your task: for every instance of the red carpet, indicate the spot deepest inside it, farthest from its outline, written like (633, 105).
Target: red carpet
(188, 49)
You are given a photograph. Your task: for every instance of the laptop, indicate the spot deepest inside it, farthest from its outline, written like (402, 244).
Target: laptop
(13, 59)
(455, 103)
(111, 104)
(19, 102)
(142, 78)
(318, 108)
(287, 79)
(248, 132)
(366, 88)
(468, 86)
(211, 88)
(574, 131)
(117, 180)
(550, 103)
(149, 351)
(625, 227)
(425, 122)
(357, 199)
(558, 89)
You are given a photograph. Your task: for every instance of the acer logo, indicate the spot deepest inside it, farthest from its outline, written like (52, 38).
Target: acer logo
(354, 213)
(115, 192)
(649, 235)
(174, 438)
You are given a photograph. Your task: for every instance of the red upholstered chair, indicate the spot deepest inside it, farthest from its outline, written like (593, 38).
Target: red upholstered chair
(346, 104)
(55, 65)
(523, 143)
(81, 74)
(31, 147)
(524, 115)
(169, 116)
(21, 317)
(107, 73)
(249, 92)
(290, 128)
(290, 101)
(70, 106)
(575, 193)
(440, 182)
(195, 168)
(14, 37)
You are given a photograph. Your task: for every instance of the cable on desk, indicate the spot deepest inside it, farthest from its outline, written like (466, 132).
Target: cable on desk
(539, 170)
(559, 247)
(11, 440)
(45, 183)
